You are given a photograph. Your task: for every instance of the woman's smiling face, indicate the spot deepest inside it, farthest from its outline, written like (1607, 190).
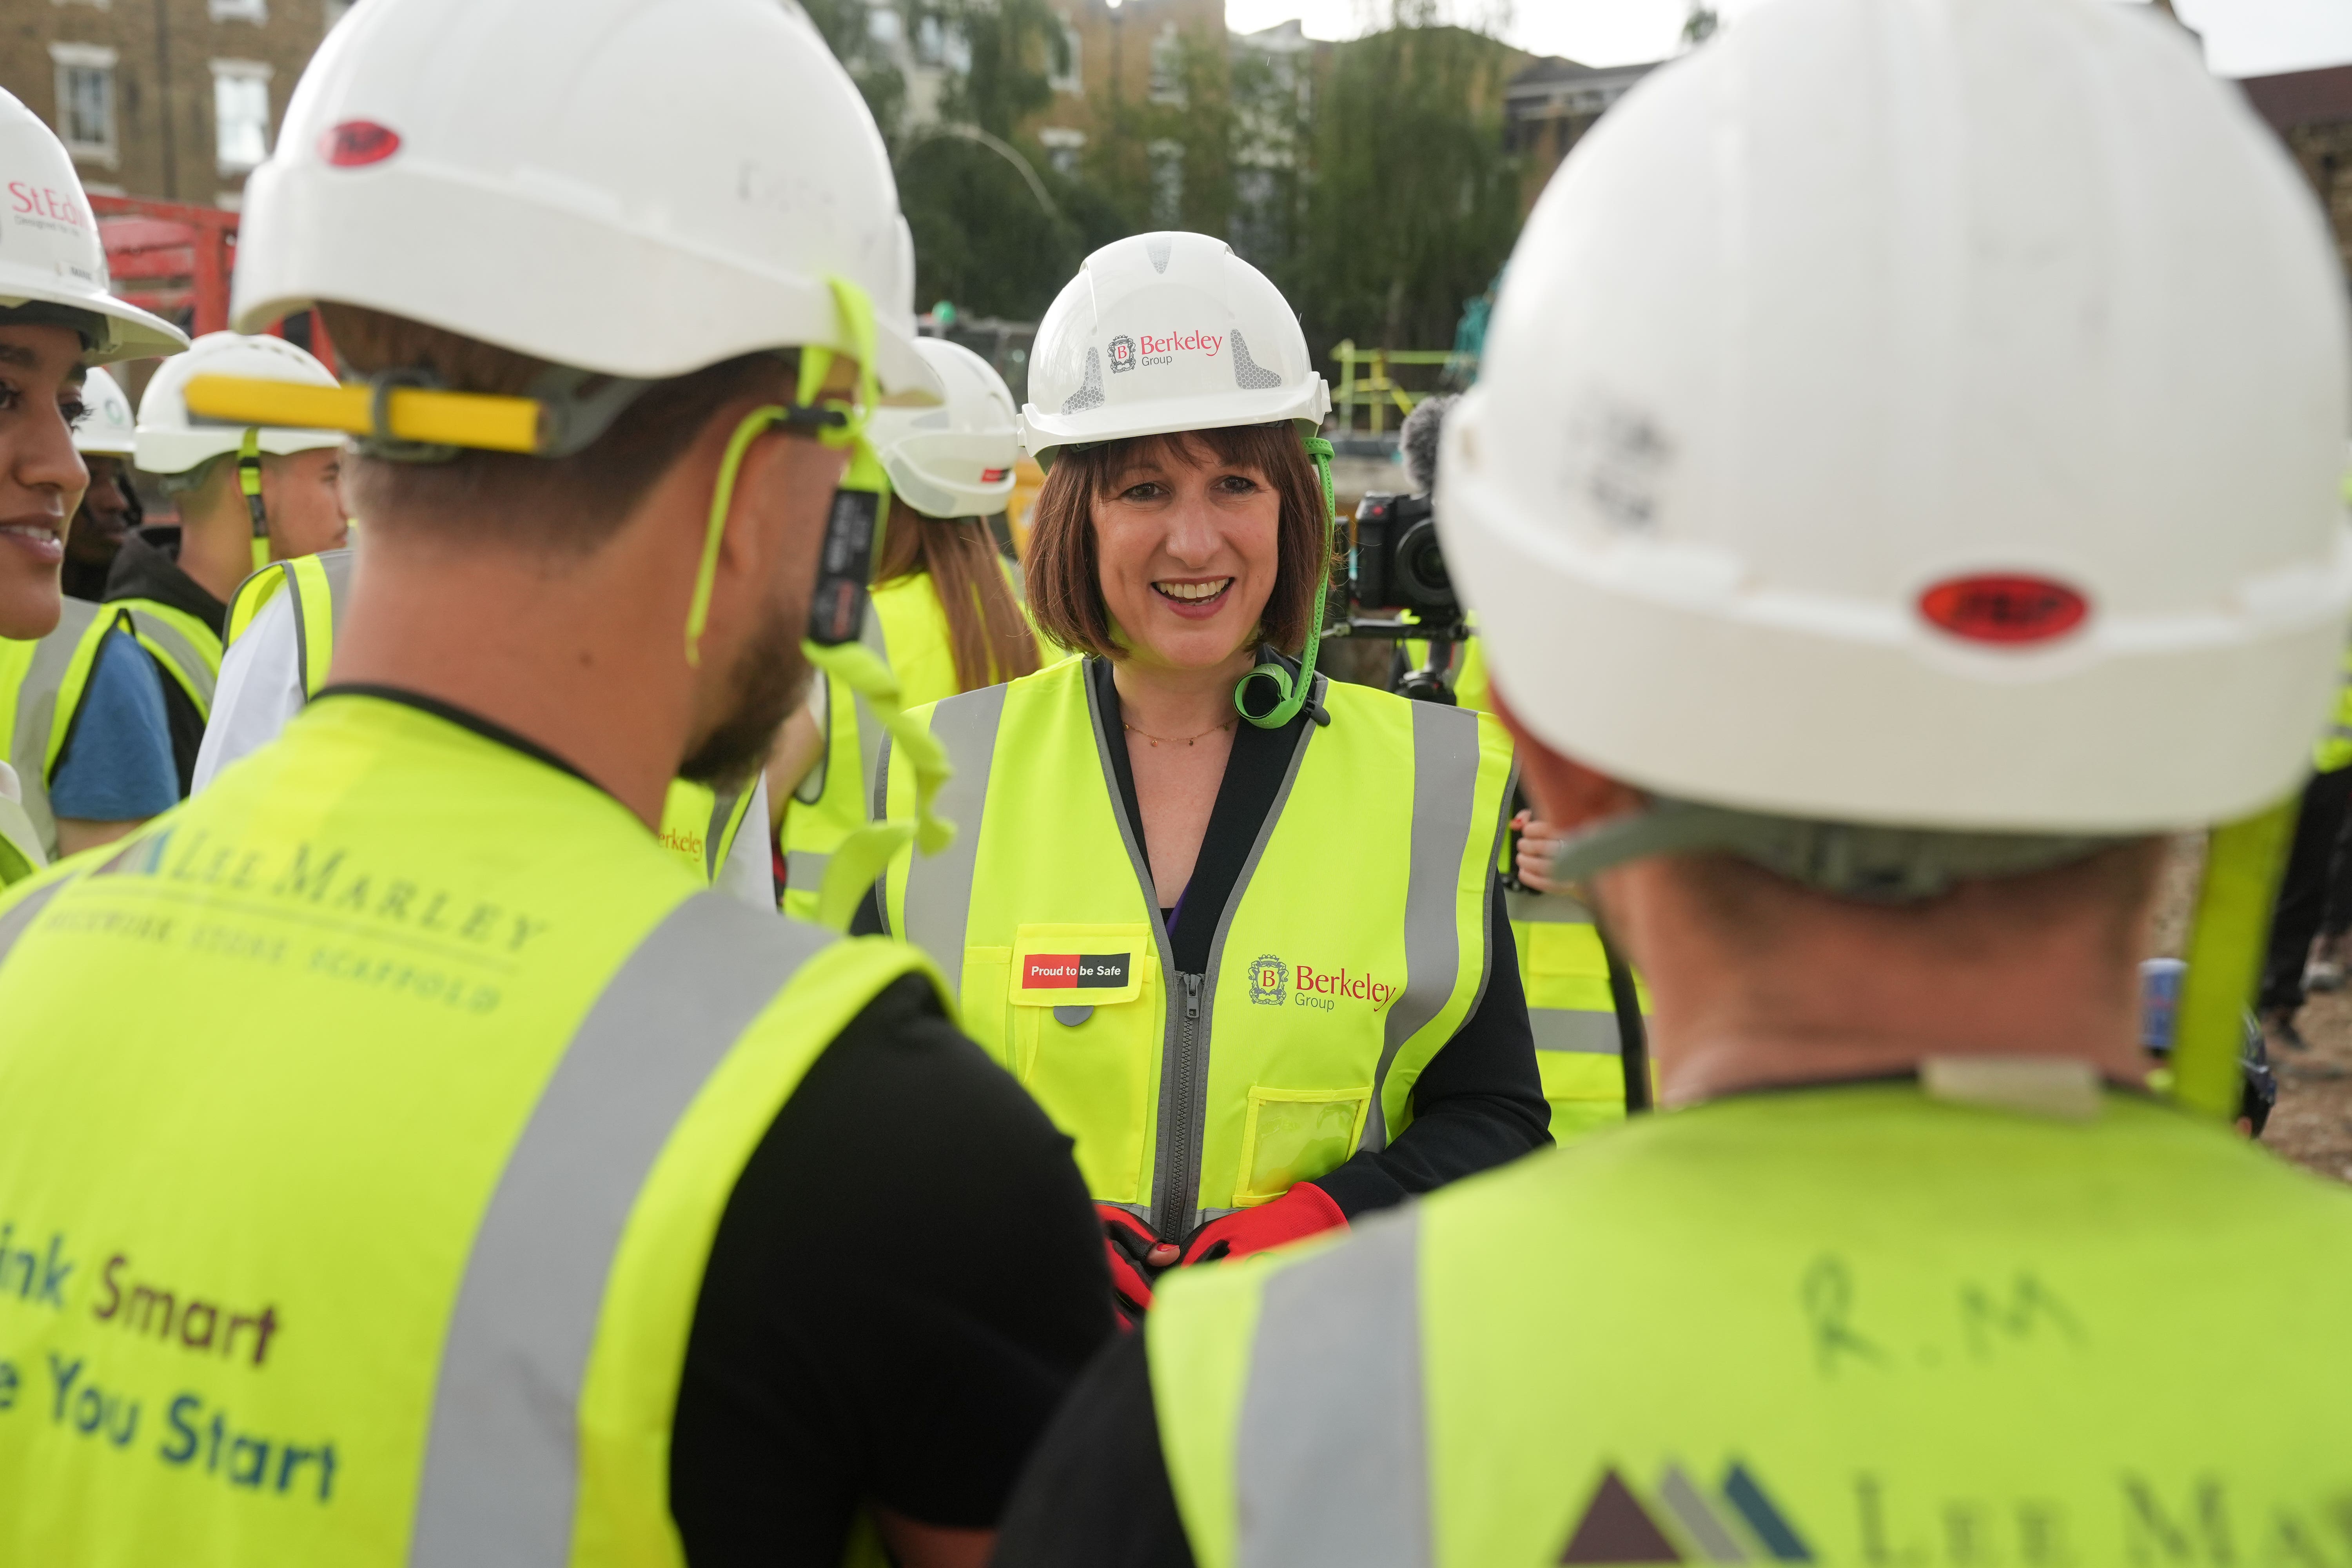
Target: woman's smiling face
(1187, 548)
(41, 475)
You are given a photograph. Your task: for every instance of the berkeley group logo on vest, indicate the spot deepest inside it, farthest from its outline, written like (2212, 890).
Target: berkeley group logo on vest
(1075, 971)
(1271, 983)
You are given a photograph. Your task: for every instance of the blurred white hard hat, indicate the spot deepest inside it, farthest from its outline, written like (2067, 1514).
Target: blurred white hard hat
(107, 429)
(1168, 332)
(956, 461)
(171, 442)
(50, 253)
(1923, 414)
(638, 188)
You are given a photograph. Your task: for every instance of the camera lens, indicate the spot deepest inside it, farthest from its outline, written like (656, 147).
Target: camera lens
(1421, 568)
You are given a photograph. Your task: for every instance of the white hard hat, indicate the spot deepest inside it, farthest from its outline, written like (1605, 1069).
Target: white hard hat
(50, 253)
(1161, 332)
(1924, 415)
(955, 462)
(537, 175)
(106, 430)
(170, 442)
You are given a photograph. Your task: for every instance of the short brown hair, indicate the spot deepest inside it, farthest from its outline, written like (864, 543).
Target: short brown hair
(568, 505)
(1064, 576)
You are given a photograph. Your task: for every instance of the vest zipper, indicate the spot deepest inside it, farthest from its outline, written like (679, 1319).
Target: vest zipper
(1181, 1112)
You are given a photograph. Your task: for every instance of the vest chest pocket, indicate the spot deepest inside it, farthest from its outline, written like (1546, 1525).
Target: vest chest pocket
(1295, 1135)
(1086, 1038)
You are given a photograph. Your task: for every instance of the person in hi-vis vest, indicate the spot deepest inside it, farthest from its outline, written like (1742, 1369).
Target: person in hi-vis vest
(1236, 926)
(404, 1158)
(944, 616)
(282, 641)
(1946, 472)
(57, 322)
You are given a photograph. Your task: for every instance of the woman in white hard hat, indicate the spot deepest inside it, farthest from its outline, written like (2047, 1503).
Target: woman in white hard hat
(56, 319)
(943, 616)
(1235, 926)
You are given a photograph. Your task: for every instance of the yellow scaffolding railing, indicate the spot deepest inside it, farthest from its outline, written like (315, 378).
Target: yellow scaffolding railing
(1375, 390)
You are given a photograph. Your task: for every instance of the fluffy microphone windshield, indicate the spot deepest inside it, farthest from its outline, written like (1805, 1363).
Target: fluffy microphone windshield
(1419, 436)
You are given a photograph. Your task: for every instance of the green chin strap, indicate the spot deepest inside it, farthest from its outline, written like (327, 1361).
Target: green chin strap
(2242, 863)
(248, 479)
(1290, 695)
(854, 533)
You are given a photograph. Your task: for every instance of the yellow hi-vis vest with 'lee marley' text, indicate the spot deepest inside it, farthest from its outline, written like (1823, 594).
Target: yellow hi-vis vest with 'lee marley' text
(698, 823)
(1355, 943)
(365, 1125)
(906, 628)
(1853, 1325)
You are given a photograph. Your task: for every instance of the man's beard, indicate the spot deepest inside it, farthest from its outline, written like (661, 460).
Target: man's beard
(770, 680)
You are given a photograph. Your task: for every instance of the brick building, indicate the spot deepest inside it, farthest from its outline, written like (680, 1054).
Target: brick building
(177, 99)
(1550, 105)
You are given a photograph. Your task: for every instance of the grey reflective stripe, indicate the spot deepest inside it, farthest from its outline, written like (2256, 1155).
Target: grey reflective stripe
(1445, 789)
(501, 1462)
(804, 870)
(939, 886)
(335, 565)
(36, 714)
(1527, 908)
(16, 922)
(715, 841)
(183, 654)
(1562, 1029)
(1331, 1457)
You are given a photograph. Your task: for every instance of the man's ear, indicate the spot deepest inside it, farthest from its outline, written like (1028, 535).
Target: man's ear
(1567, 794)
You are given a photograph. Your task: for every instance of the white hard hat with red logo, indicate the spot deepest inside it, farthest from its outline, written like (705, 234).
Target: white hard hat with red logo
(1922, 415)
(1169, 332)
(530, 175)
(955, 461)
(106, 429)
(52, 262)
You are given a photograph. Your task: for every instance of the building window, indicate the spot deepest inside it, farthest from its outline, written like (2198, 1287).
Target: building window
(1167, 184)
(943, 45)
(1168, 66)
(241, 113)
(254, 11)
(884, 26)
(1067, 75)
(1063, 145)
(86, 100)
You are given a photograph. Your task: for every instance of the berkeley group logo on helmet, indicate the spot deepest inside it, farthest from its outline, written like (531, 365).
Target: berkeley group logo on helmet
(1126, 353)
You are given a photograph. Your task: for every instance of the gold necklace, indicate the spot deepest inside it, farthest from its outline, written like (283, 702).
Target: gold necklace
(1187, 741)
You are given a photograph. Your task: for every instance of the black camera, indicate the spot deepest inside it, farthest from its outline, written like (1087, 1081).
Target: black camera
(1396, 563)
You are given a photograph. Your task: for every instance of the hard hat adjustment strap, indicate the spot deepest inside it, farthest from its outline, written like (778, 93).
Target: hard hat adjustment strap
(248, 479)
(1291, 695)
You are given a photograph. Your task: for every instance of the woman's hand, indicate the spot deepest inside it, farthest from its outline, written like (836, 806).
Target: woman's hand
(1536, 842)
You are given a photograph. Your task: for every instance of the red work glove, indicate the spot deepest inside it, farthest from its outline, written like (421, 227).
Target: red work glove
(1305, 1210)
(1136, 1255)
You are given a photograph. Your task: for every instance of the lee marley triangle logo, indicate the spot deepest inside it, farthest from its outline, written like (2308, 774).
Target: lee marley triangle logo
(1680, 1522)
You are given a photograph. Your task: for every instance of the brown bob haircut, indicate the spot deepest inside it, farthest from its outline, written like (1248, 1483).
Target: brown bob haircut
(1065, 577)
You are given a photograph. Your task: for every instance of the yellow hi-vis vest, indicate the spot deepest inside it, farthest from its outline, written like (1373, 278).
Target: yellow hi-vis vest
(41, 687)
(907, 628)
(187, 648)
(2334, 750)
(365, 1125)
(1564, 975)
(1354, 944)
(21, 854)
(1844, 1326)
(698, 823)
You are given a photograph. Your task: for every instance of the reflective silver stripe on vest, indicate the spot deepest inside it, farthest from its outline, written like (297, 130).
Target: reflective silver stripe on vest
(183, 654)
(335, 565)
(1445, 786)
(804, 870)
(37, 712)
(1332, 1459)
(1561, 1029)
(939, 886)
(17, 920)
(1527, 908)
(501, 1464)
(714, 837)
